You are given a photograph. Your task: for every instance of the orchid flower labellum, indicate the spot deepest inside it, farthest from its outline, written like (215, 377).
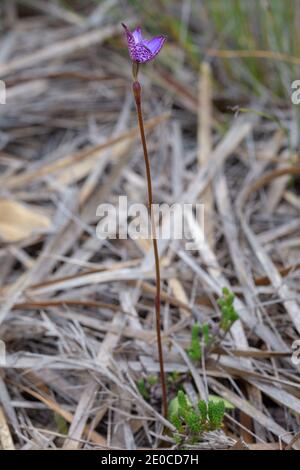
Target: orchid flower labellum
(140, 49)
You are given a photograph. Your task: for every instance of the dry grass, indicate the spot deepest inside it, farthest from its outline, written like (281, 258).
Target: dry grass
(77, 314)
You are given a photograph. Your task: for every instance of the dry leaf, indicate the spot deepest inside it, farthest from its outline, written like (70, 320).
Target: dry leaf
(18, 221)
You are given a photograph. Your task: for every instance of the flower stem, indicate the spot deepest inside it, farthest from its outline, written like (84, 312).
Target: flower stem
(138, 101)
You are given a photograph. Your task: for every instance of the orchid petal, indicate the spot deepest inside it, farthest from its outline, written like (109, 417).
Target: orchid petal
(129, 35)
(155, 44)
(137, 34)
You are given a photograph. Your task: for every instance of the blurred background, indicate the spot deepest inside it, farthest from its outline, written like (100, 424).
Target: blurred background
(252, 48)
(76, 313)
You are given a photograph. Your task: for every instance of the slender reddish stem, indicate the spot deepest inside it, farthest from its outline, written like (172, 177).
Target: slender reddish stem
(138, 101)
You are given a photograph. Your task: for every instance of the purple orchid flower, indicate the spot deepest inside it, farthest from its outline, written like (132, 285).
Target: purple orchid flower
(141, 50)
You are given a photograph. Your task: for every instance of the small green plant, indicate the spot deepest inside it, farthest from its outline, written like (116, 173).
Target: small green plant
(216, 398)
(152, 380)
(143, 389)
(191, 422)
(229, 314)
(145, 385)
(206, 334)
(173, 377)
(194, 350)
(228, 317)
